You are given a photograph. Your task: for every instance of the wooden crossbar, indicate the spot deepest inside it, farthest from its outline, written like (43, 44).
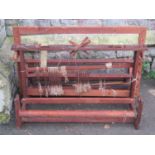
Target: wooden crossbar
(79, 113)
(77, 100)
(32, 48)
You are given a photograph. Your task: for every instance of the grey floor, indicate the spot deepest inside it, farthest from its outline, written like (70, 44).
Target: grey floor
(147, 124)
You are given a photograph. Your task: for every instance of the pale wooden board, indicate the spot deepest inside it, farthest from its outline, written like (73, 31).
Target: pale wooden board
(95, 39)
(43, 59)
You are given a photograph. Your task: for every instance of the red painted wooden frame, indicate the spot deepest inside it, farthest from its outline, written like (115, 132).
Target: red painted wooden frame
(131, 97)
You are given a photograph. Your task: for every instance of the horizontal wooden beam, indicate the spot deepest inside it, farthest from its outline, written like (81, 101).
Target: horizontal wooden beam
(58, 48)
(79, 30)
(77, 100)
(91, 76)
(90, 67)
(77, 113)
(79, 119)
(92, 92)
(80, 61)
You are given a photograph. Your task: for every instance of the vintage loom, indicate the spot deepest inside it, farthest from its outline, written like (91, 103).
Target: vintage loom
(78, 81)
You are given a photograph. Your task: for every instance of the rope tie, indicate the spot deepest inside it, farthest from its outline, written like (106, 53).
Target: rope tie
(83, 43)
(133, 80)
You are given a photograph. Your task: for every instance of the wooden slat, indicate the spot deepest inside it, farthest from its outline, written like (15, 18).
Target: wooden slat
(91, 76)
(77, 100)
(93, 92)
(32, 48)
(112, 83)
(77, 113)
(85, 67)
(81, 61)
(79, 119)
(80, 30)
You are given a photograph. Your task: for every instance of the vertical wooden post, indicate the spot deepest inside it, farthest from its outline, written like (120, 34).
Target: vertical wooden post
(17, 109)
(138, 59)
(17, 41)
(23, 74)
(20, 64)
(137, 74)
(139, 113)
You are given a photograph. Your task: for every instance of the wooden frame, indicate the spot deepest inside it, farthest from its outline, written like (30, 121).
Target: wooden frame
(130, 97)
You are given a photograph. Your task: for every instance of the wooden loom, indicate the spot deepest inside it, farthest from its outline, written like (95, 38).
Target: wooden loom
(103, 88)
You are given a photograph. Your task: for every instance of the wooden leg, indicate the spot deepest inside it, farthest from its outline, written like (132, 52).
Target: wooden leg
(17, 108)
(139, 113)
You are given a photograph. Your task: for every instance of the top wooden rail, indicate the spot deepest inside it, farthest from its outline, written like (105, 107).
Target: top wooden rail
(79, 30)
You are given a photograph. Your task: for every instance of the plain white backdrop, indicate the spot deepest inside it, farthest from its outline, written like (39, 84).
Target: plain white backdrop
(80, 9)
(77, 145)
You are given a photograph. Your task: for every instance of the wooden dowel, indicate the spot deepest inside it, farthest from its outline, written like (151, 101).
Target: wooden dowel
(76, 113)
